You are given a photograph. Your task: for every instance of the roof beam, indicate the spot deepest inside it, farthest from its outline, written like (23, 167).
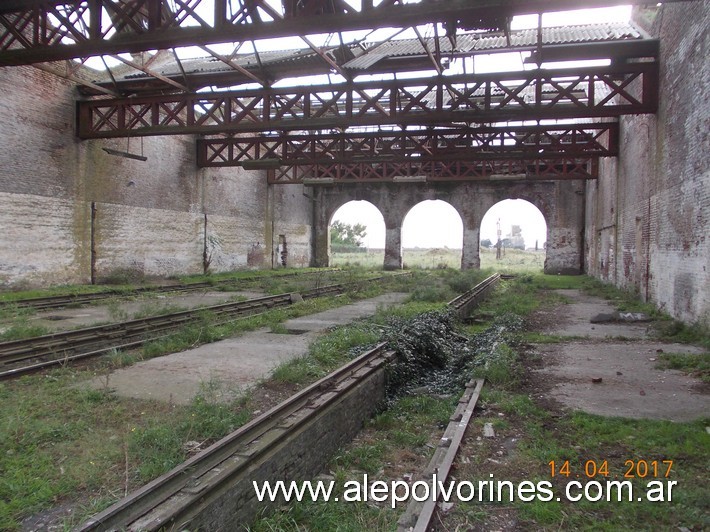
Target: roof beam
(303, 64)
(434, 171)
(599, 91)
(29, 32)
(441, 144)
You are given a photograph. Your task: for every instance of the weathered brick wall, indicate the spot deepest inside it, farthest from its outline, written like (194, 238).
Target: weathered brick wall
(42, 239)
(153, 242)
(647, 220)
(149, 216)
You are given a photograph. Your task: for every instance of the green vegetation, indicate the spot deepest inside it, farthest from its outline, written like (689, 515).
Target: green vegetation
(441, 258)
(346, 237)
(696, 365)
(579, 438)
(398, 441)
(538, 433)
(64, 443)
(60, 439)
(20, 329)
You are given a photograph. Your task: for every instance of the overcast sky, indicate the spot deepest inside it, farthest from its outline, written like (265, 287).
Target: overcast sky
(436, 223)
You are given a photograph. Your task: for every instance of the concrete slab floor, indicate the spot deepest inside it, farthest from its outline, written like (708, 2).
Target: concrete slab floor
(231, 366)
(72, 318)
(574, 319)
(616, 378)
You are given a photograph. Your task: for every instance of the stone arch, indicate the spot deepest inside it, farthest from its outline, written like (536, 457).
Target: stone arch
(561, 203)
(444, 211)
(516, 213)
(378, 227)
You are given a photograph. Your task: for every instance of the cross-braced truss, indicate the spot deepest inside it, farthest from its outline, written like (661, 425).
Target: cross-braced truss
(34, 31)
(433, 171)
(426, 145)
(606, 91)
(442, 127)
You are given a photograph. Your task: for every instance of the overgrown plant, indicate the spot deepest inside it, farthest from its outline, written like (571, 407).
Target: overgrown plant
(435, 357)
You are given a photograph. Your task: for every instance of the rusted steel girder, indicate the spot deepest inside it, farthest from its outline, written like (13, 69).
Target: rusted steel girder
(33, 31)
(436, 171)
(600, 91)
(441, 144)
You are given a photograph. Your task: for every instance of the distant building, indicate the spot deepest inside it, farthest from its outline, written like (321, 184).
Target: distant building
(515, 238)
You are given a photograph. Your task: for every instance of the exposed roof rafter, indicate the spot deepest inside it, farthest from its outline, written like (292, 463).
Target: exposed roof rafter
(33, 31)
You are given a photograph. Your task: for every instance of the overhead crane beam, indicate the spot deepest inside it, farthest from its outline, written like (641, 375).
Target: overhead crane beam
(34, 31)
(437, 171)
(540, 94)
(427, 145)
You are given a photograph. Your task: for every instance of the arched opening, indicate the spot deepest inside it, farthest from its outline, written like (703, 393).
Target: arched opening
(356, 233)
(432, 236)
(513, 237)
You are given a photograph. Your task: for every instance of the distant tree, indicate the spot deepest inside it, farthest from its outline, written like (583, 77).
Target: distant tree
(342, 234)
(486, 243)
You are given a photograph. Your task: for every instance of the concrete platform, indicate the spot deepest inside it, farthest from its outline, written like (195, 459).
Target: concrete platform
(573, 319)
(610, 377)
(231, 366)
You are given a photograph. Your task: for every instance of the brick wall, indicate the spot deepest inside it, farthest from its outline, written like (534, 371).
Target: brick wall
(647, 220)
(150, 217)
(297, 458)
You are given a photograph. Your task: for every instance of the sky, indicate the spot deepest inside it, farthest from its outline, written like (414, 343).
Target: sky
(436, 223)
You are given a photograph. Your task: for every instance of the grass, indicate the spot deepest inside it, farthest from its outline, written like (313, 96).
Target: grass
(696, 365)
(62, 443)
(326, 354)
(60, 439)
(521, 296)
(540, 435)
(442, 258)
(398, 441)
(20, 329)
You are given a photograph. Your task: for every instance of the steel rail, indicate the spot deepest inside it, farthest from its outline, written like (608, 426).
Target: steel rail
(58, 301)
(172, 499)
(18, 357)
(464, 303)
(197, 479)
(22, 356)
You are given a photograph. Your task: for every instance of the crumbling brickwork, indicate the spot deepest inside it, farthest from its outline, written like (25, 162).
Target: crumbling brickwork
(160, 217)
(647, 217)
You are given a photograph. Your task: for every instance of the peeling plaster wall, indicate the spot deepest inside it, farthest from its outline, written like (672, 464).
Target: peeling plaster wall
(561, 203)
(160, 217)
(648, 216)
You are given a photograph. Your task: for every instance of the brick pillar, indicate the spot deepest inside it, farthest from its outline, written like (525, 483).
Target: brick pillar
(393, 247)
(470, 256)
(320, 253)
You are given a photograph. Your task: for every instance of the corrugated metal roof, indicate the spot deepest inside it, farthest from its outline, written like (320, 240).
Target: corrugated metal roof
(474, 42)
(465, 43)
(212, 64)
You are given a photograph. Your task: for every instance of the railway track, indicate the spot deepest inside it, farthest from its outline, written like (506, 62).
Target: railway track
(59, 301)
(466, 302)
(170, 501)
(173, 500)
(23, 356)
